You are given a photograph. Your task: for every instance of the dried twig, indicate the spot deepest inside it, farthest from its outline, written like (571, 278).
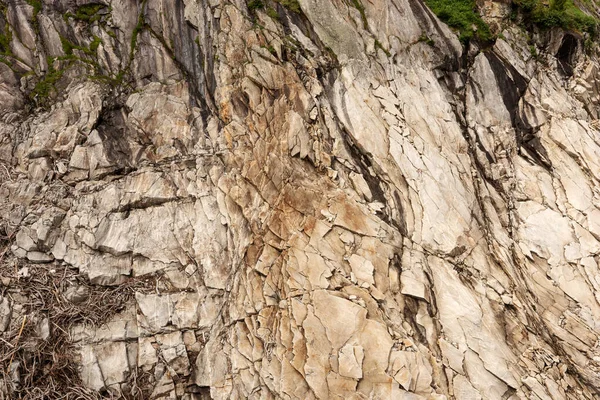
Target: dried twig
(46, 367)
(18, 338)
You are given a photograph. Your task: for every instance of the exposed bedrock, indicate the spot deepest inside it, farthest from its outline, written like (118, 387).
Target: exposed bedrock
(297, 201)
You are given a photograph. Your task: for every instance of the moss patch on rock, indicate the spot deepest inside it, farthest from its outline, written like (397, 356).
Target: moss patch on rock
(557, 13)
(463, 16)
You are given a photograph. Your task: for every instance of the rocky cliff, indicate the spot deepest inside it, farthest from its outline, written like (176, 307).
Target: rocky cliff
(312, 199)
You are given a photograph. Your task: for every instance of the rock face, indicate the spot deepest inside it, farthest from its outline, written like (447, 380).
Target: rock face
(295, 200)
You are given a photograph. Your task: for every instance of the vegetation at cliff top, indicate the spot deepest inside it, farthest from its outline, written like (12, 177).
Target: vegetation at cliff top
(558, 13)
(463, 16)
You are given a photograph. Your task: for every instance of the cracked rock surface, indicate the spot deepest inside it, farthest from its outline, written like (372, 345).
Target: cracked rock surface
(231, 202)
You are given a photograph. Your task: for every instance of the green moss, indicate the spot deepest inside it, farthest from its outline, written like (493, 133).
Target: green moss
(255, 5)
(378, 45)
(588, 46)
(88, 12)
(292, 44)
(271, 12)
(361, 9)
(90, 51)
(116, 80)
(136, 31)
(533, 51)
(37, 6)
(558, 13)
(271, 50)
(462, 15)
(66, 45)
(95, 44)
(120, 76)
(3, 60)
(426, 39)
(291, 5)
(44, 87)
(5, 39)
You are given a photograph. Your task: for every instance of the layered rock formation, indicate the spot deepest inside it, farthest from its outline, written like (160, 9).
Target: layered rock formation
(312, 200)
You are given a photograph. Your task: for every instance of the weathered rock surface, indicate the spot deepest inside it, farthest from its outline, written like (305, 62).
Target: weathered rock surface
(301, 205)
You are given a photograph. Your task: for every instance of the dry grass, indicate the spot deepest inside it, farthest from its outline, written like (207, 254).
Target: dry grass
(47, 369)
(33, 368)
